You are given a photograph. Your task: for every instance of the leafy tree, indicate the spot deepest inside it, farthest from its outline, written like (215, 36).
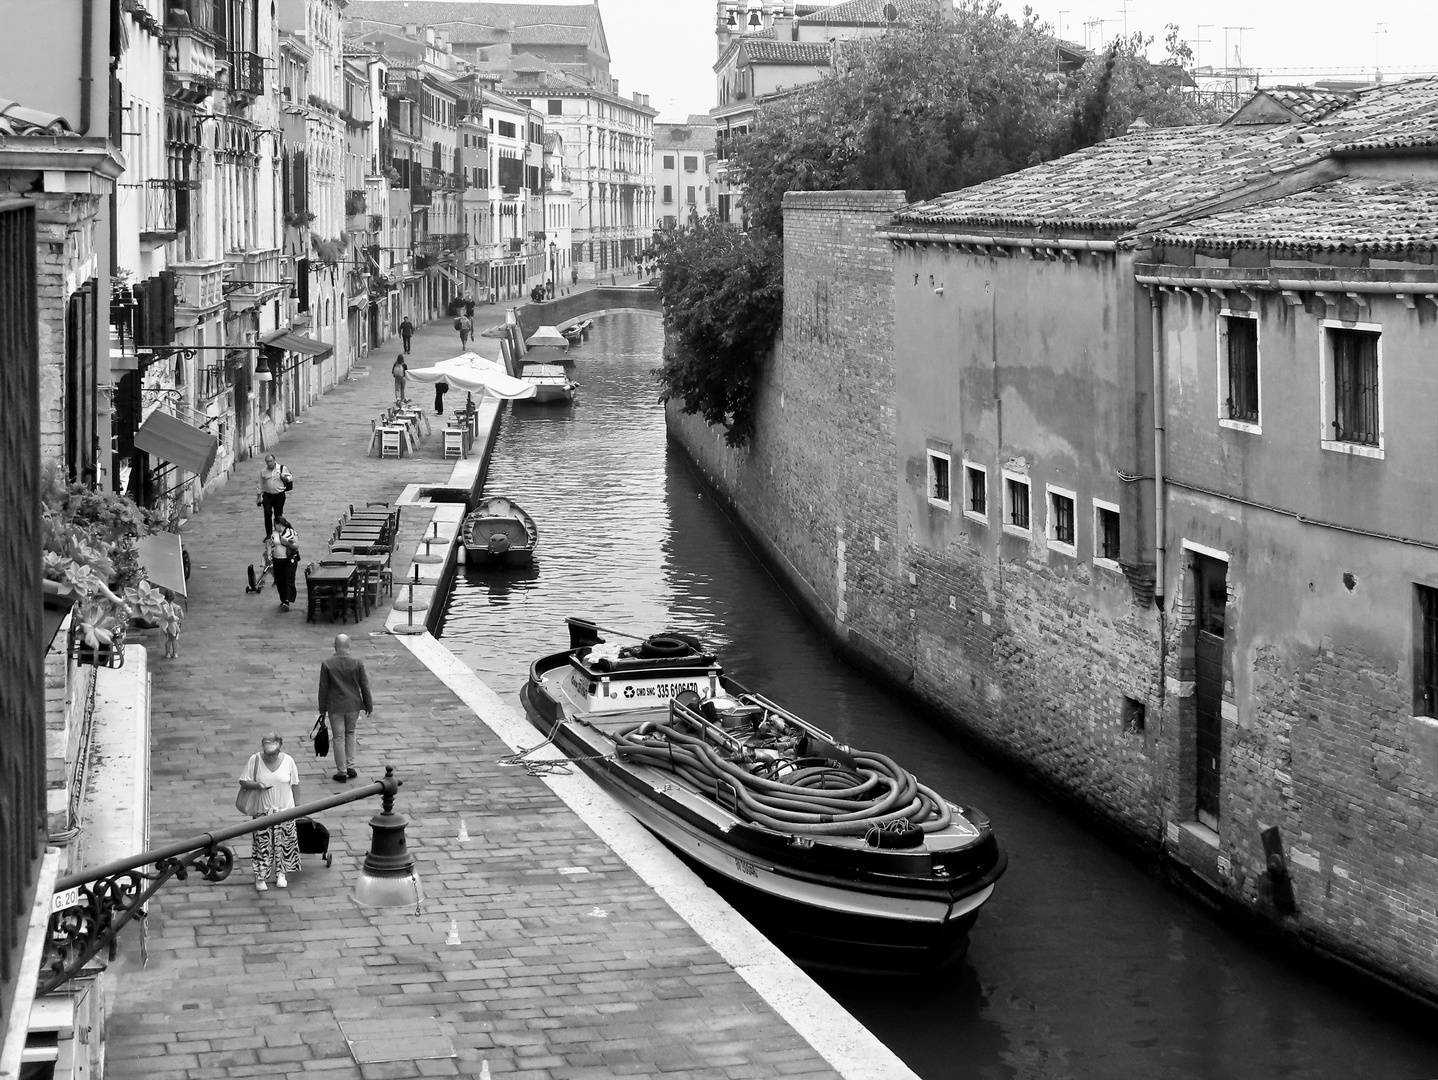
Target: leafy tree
(723, 295)
(947, 102)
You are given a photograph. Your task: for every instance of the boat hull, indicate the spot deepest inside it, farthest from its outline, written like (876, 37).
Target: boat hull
(499, 533)
(826, 906)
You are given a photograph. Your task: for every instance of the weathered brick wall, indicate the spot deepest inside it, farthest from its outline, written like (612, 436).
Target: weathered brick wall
(815, 486)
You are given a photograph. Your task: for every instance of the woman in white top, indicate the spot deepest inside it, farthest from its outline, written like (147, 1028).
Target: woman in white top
(275, 773)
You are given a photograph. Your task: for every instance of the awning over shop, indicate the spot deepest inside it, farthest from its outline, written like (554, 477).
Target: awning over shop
(171, 439)
(162, 556)
(290, 341)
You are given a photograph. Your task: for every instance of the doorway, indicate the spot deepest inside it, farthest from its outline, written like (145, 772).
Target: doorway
(1211, 593)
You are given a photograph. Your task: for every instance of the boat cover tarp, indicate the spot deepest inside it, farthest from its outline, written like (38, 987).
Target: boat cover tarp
(472, 372)
(547, 335)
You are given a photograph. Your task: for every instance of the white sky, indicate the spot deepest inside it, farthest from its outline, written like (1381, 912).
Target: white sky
(666, 48)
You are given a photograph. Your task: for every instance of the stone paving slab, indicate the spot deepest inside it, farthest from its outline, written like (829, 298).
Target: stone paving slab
(555, 975)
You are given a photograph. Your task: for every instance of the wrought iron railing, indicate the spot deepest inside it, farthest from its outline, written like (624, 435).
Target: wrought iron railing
(247, 73)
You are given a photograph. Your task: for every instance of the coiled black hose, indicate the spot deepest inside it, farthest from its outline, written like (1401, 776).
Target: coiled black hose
(828, 800)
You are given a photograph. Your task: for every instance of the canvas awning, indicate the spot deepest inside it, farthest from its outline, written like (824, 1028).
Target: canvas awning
(290, 341)
(162, 556)
(171, 439)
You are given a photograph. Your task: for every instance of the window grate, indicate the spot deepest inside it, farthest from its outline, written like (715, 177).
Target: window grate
(1018, 503)
(978, 492)
(1427, 664)
(1355, 386)
(1108, 546)
(938, 478)
(1062, 511)
(1243, 370)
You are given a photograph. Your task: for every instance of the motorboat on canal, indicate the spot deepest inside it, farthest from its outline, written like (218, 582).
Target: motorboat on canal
(546, 337)
(550, 381)
(499, 532)
(841, 856)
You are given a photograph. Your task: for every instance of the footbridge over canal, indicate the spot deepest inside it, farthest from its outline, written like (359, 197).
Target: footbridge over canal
(589, 303)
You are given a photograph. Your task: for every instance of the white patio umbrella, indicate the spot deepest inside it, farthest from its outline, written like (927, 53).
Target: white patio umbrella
(472, 372)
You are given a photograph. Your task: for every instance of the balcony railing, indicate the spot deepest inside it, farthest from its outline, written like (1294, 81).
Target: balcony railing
(251, 277)
(247, 74)
(190, 67)
(166, 212)
(199, 287)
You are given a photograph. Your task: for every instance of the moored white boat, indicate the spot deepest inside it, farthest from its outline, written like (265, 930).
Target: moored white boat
(840, 855)
(499, 532)
(550, 381)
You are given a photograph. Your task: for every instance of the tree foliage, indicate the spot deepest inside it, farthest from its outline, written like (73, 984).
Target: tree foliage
(947, 102)
(723, 295)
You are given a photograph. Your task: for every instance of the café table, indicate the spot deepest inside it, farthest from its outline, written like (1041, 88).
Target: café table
(333, 583)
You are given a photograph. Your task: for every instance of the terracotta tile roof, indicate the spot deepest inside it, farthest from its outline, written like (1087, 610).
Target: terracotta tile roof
(869, 12)
(472, 22)
(1307, 103)
(1124, 182)
(684, 137)
(16, 119)
(1350, 214)
(769, 51)
(1117, 184)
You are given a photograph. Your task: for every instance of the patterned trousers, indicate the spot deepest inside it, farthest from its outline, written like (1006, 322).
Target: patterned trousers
(263, 854)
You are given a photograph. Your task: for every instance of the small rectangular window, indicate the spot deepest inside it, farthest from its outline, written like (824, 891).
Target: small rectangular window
(1061, 532)
(691, 164)
(939, 478)
(1425, 663)
(669, 161)
(1105, 534)
(1355, 385)
(1016, 503)
(668, 193)
(1135, 716)
(1241, 358)
(689, 196)
(976, 492)
(506, 129)
(556, 107)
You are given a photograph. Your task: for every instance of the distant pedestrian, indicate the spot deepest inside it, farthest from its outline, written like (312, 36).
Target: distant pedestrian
(469, 307)
(344, 694)
(406, 331)
(399, 370)
(440, 389)
(274, 773)
(275, 482)
(465, 327)
(284, 559)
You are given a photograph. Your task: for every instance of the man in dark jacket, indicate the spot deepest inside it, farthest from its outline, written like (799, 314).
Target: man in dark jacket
(344, 694)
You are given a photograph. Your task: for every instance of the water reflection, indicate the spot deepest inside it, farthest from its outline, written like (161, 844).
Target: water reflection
(1081, 965)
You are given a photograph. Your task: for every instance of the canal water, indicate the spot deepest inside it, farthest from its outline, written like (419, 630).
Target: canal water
(1081, 965)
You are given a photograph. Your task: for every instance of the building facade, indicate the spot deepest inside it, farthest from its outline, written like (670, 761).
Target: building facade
(684, 167)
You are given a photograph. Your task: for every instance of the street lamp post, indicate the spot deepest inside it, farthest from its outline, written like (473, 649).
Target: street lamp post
(553, 269)
(90, 908)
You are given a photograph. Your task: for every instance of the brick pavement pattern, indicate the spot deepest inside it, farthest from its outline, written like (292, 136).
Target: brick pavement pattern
(563, 976)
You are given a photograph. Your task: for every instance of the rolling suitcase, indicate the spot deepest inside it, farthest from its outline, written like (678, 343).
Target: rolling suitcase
(314, 838)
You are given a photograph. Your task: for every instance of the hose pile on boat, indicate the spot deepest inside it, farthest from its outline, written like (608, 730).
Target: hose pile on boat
(875, 798)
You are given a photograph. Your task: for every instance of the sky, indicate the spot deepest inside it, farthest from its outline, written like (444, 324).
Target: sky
(666, 48)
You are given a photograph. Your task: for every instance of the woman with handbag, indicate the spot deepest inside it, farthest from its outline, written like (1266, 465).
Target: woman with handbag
(270, 784)
(284, 558)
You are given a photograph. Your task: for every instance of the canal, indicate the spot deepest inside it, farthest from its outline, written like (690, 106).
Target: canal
(1082, 965)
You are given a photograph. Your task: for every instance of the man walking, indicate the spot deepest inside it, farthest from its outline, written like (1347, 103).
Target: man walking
(275, 482)
(464, 326)
(406, 331)
(344, 694)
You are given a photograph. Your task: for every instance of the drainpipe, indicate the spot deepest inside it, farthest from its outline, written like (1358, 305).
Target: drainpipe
(87, 39)
(1159, 524)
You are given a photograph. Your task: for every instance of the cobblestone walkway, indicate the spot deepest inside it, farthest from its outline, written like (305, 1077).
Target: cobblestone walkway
(566, 964)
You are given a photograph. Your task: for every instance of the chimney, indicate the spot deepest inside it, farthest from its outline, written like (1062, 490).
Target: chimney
(429, 35)
(411, 31)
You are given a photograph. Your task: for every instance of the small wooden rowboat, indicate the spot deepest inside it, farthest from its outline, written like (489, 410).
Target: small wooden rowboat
(499, 532)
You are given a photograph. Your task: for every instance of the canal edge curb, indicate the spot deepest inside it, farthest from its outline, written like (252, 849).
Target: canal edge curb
(854, 1051)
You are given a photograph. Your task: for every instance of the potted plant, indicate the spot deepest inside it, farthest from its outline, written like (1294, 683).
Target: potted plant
(90, 547)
